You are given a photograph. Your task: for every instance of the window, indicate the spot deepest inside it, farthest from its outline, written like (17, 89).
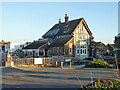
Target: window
(36, 54)
(81, 37)
(27, 53)
(53, 49)
(77, 50)
(83, 50)
(57, 49)
(70, 48)
(30, 53)
(60, 50)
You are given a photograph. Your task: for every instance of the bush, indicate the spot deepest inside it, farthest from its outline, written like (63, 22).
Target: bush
(97, 63)
(104, 85)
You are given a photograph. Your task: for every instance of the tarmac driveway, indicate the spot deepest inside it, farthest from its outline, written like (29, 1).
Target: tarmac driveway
(47, 77)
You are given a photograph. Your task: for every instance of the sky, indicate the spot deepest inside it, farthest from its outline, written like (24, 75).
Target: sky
(30, 20)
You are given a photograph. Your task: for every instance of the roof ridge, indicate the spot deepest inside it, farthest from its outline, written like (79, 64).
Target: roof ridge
(69, 21)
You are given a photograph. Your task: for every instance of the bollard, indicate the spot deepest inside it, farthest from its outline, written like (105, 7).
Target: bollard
(70, 65)
(61, 64)
(56, 63)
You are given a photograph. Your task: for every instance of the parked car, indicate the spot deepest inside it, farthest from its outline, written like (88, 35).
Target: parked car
(75, 60)
(68, 60)
(89, 58)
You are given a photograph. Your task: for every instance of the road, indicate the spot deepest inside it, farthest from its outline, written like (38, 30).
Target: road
(48, 77)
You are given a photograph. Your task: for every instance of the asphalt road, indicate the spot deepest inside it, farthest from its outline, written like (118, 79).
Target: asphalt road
(47, 77)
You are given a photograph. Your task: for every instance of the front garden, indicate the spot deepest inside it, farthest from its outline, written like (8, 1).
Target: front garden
(103, 85)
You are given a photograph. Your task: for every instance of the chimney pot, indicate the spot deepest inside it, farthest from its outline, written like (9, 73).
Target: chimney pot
(66, 18)
(59, 20)
(66, 15)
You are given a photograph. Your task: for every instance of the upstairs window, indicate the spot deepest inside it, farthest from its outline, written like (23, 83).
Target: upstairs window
(81, 37)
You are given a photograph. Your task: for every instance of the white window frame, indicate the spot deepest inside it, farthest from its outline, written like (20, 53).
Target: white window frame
(83, 49)
(77, 49)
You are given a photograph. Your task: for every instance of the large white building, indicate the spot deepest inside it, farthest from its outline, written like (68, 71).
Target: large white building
(18, 45)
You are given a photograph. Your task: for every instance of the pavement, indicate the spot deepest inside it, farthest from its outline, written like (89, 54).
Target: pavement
(52, 77)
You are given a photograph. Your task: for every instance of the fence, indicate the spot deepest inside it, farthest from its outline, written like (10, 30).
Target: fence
(48, 60)
(30, 61)
(23, 61)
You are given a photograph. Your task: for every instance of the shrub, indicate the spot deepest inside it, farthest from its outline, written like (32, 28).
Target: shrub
(105, 85)
(97, 63)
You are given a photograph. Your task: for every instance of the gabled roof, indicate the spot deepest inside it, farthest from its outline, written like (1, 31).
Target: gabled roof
(110, 47)
(60, 41)
(36, 44)
(95, 44)
(103, 44)
(65, 29)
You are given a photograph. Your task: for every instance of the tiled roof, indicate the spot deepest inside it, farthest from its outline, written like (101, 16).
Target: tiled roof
(36, 44)
(63, 28)
(61, 41)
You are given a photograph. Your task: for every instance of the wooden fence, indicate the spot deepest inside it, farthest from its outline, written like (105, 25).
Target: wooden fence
(48, 60)
(30, 61)
(23, 61)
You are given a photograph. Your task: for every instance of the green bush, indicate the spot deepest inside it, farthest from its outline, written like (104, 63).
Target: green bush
(104, 85)
(97, 63)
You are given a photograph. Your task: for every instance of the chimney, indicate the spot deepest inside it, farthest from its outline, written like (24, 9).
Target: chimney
(59, 20)
(66, 18)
